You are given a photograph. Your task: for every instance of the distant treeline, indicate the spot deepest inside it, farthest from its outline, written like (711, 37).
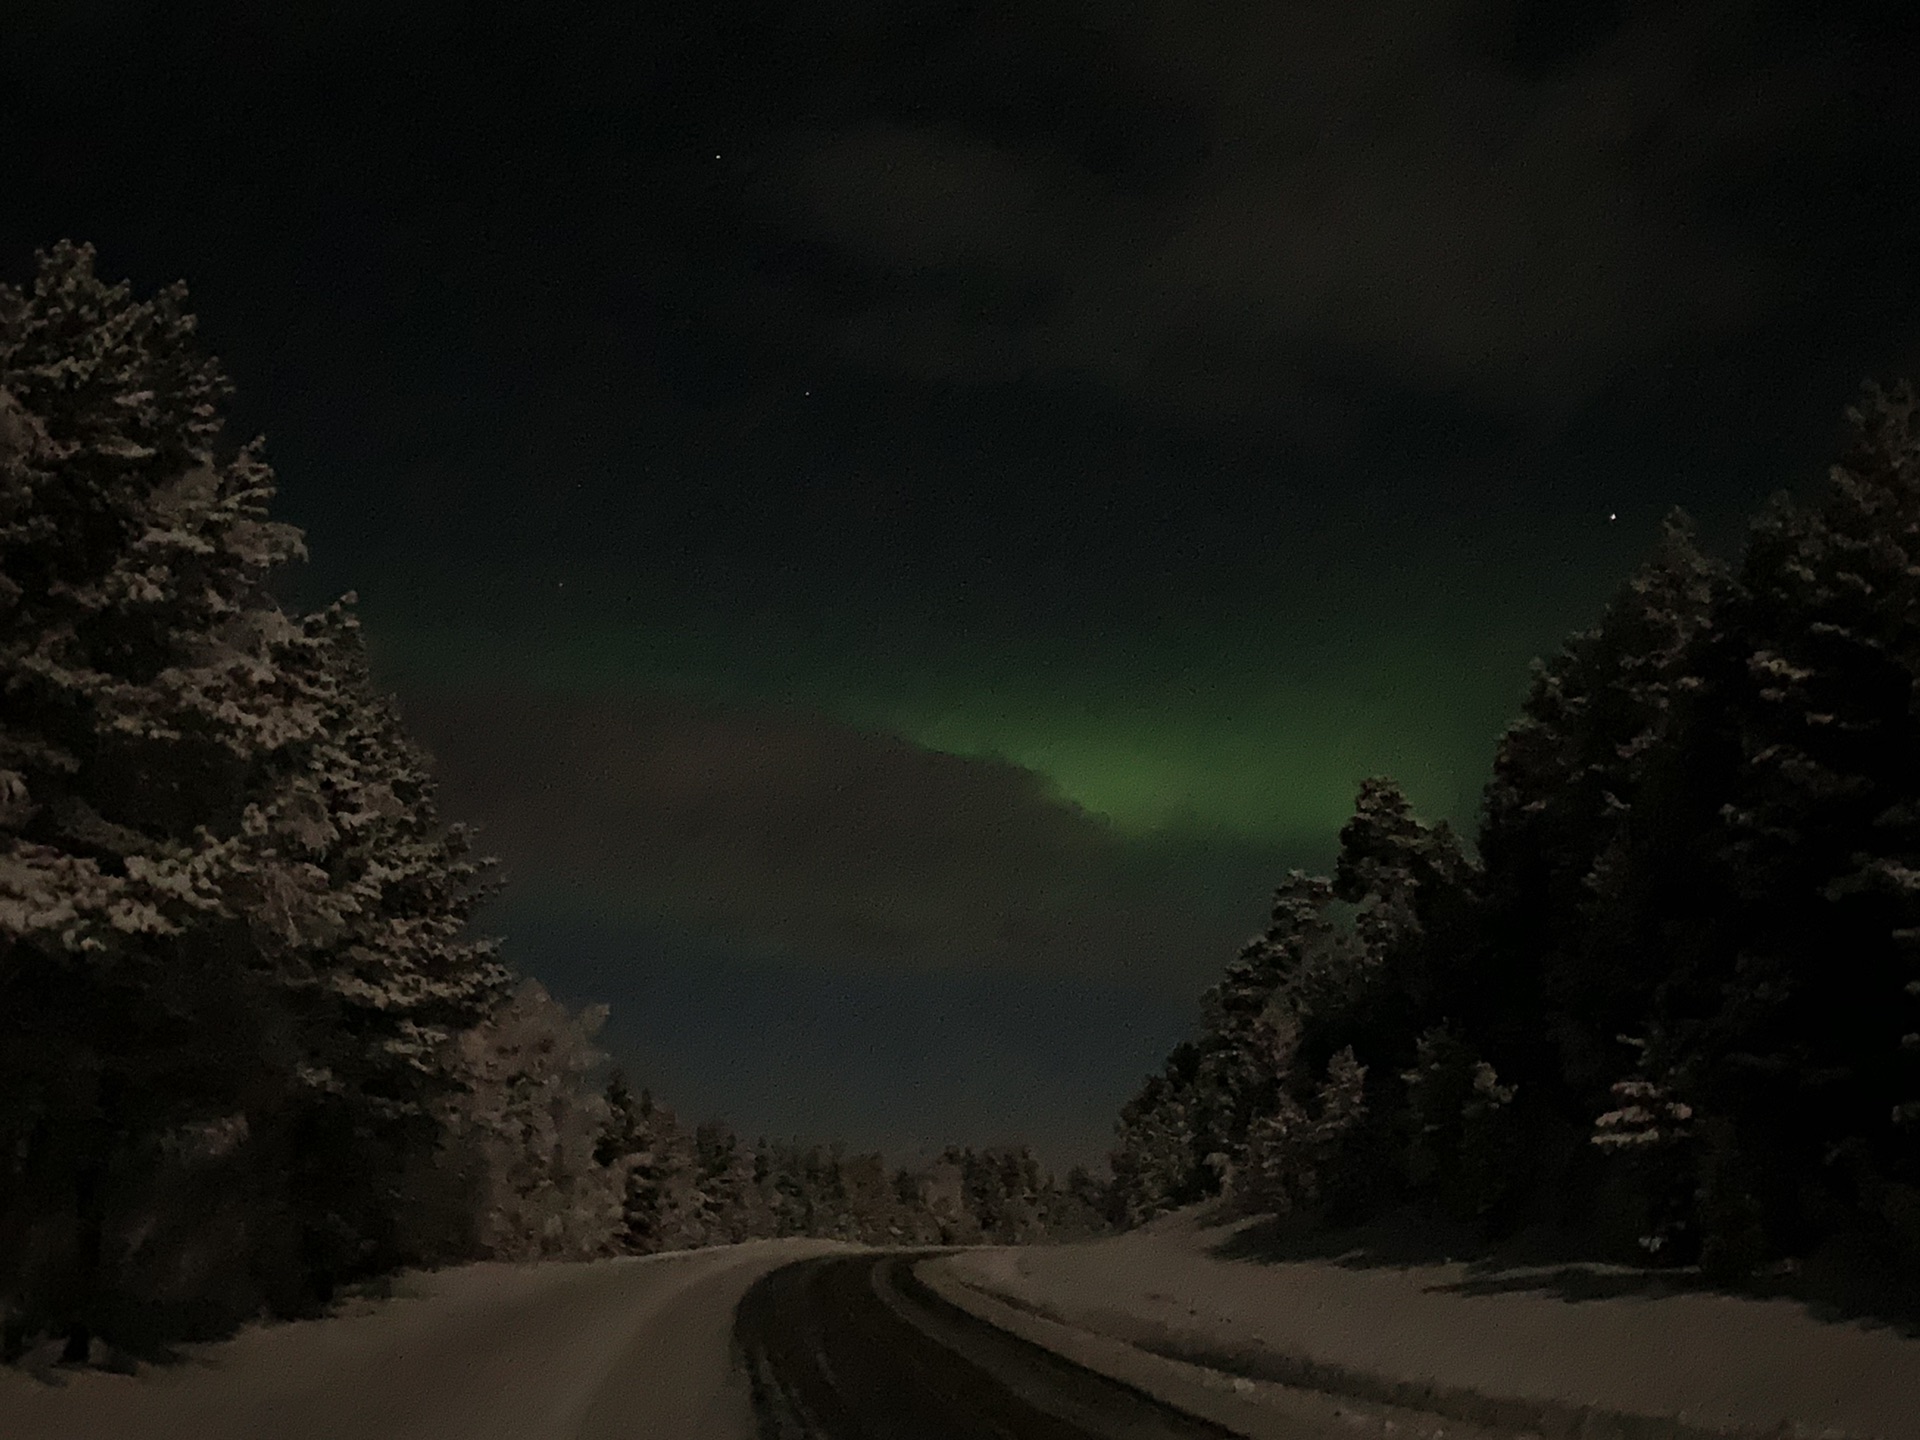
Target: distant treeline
(568, 1171)
(1672, 997)
(249, 1048)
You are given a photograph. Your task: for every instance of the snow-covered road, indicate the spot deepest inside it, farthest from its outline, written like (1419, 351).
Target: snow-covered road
(488, 1352)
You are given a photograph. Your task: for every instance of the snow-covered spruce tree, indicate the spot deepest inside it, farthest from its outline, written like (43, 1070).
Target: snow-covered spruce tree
(636, 1145)
(1298, 1158)
(531, 1126)
(1292, 1103)
(825, 1177)
(1418, 903)
(1024, 1194)
(1078, 1208)
(140, 703)
(1703, 832)
(368, 896)
(722, 1184)
(913, 1219)
(1596, 841)
(1252, 1071)
(1463, 1148)
(1156, 1163)
(1652, 1136)
(1235, 1078)
(1415, 895)
(1001, 1189)
(1597, 856)
(777, 1175)
(1794, 1025)
(1184, 1136)
(187, 909)
(883, 1204)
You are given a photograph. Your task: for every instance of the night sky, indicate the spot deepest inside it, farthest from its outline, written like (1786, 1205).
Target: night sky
(902, 520)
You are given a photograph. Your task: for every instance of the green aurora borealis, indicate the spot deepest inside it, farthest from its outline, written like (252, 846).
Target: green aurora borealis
(739, 444)
(1253, 725)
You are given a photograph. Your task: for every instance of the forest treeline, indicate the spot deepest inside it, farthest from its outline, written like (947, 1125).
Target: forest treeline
(250, 1049)
(572, 1171)
(1670, 999)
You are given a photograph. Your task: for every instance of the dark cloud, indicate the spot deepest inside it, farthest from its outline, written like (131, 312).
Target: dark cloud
(1461, 199)
(797, 837)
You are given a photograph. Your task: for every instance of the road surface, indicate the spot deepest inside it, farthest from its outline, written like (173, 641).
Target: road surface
(772, 1340)
(636, 1349)
(855, 1347)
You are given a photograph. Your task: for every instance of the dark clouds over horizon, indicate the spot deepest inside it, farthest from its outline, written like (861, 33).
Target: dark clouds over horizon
(820, 929)
(795, 835)
(902, 519)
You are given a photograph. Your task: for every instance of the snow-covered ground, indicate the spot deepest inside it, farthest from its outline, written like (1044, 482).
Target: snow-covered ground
(1466, 1334)
(517, 1352)
(643, 1347)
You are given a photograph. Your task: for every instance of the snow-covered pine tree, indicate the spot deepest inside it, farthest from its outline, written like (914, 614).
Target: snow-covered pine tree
(1234, 1080)
(1080, 1207)
(1022, 1190)
(1155, 1164)
(1463, 1149)
(141, 701)
(826, 1181)
(1302, 957)
(788, 1197)
(1414, 891)
(943, 1193)
(913, 1208)
(1595, 840)
(1799, 1022)
(364, 892)
(653, 1162)
(226, 906)
(722, 1178)
(1297, 1160)
(531, 1123)
(874, 1213)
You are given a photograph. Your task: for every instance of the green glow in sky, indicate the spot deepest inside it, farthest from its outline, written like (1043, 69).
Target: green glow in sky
(1254, 728)
(1248, 707)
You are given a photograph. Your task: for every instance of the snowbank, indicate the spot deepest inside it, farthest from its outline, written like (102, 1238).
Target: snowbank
(1488, 1343)
(485, 1352)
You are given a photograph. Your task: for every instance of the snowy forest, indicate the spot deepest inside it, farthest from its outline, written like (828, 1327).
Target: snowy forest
(250, 1049)
(1669, 998)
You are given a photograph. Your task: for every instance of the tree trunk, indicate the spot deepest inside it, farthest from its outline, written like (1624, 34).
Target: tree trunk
(89, 1207)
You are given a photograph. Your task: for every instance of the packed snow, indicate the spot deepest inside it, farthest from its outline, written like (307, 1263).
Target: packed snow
(484, 1352)
(1483, 1331)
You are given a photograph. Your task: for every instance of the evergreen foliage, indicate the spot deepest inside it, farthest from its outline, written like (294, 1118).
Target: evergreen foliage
(250, 1049)
(1678, 980)
(685, 1189)
(528, 1130)
(231, 923)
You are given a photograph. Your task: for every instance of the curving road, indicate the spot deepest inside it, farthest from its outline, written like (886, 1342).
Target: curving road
(793, 1339)
(609, 1350)
(855, 1347)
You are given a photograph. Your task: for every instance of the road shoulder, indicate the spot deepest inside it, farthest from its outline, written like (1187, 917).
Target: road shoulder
(1415, 1349)
(552, 1351)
